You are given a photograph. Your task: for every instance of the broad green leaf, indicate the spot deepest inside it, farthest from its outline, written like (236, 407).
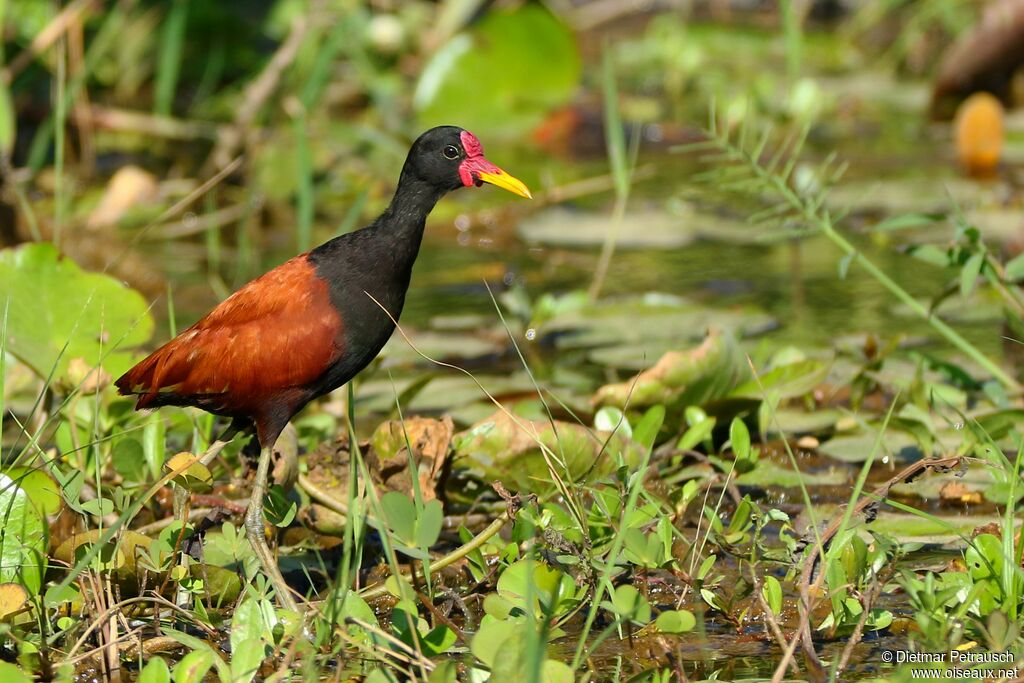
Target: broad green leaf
(646, 431)
(969, 273)
(12, 673)
(248, 630)
(381, 675)
(429, 523)
(675, 621)
(510, 449)
(129, 459)
(42, 490)
(1014, 268)
(446, 672)
(198, 647)
(690, 377)
(23, 537)
(857, 447)
(58, 312)
(771, 589)
(739, 437)
(502, 75)
(192, 475)
(155, 671)
(246, 658)
(610, 418)
(786, 381)
(193, 667)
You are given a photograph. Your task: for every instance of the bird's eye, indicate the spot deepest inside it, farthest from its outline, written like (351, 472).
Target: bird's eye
(451, 152)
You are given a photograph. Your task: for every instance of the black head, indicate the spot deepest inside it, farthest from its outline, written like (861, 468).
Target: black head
(448, 157)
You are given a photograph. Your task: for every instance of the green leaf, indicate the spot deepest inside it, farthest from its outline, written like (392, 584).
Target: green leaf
(929, 253)
(11, 673)
(246, 658)
(129, 459)
(58, 312)
(786, 381)
(23, 537)
(503, 75)
(429, 523)
(696, 434)
(1014, 269)
(278, 508)
(206, 657)
(193, 667)
(691, 377)
(646, 431)
(844, 265)
(969, 273)
(906, 221)
(247, 645)
(446, 672)
(610, 418)
(739, 437)
(675, 621)
(155, 671)
(42, 490)
(771, 589)
(7, 121)
(630, 605)
(381, 675)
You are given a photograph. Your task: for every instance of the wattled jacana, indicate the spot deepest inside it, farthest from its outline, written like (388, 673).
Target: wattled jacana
(308, 326)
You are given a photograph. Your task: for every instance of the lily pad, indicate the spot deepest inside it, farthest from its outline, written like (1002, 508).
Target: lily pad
(857, 447)
(57, 312)
(643, 325)
(689, 377)
(501, 76)
(769, 475)
(511, 449)
(641, 229)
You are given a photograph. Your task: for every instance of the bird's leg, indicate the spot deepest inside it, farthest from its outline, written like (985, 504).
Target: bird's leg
(255, 530)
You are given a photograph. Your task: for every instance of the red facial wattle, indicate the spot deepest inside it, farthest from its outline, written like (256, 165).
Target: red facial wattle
(475, 169)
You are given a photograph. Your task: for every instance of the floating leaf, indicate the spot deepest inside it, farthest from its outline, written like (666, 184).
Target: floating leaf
(690, 377)
(57, 312)
(675, 621)
(502, 75)
(641, 229)
(858, 447)
(512, 449)
(786, 381)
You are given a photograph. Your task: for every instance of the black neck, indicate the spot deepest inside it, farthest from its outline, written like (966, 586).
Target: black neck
(414, 199)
